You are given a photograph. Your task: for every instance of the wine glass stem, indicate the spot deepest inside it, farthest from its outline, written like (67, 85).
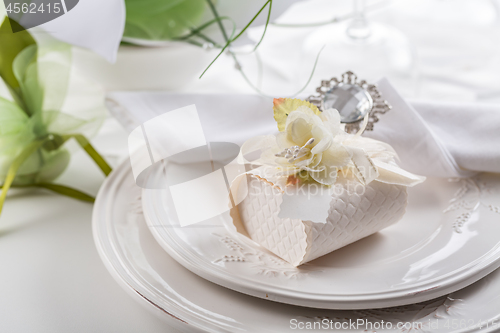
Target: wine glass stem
(359, 27)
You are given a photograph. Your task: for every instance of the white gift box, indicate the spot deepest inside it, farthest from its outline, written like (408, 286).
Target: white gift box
(353, 215)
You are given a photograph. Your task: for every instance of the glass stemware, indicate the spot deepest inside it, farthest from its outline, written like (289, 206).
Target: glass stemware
(370, 49)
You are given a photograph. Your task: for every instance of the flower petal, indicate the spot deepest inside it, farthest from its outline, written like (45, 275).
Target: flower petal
(392, 174)
(323, 139)
(284, 106)
(337, 156)
(332, 161)
(316, 160)
(327, 176)
(299, 131)
(308, 117)
(283, 140)
(303, 163)
(331, 120)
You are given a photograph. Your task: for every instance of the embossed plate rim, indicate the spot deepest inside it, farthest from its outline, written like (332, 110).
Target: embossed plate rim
(423, 291)
(471, 300)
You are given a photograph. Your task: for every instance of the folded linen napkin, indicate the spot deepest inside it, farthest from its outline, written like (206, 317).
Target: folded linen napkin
(438, 139)
(431, 139)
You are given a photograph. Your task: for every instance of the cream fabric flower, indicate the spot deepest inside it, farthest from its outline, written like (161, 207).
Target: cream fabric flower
(311, 143)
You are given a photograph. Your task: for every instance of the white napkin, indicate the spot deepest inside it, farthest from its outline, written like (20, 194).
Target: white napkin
(437, 140)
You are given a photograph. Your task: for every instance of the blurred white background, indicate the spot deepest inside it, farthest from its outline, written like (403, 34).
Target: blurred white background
(455, 47)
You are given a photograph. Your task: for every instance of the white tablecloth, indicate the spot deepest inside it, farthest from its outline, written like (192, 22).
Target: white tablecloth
(52, 278)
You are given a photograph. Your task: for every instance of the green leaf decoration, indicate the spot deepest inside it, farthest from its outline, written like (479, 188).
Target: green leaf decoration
(270, 3)
(98, 159)
(15, 134)
(40, 109)
(26, 72)
(60, 189)
(231, 39)
(42, 166)
(197, 32)
(162, 19)
(53, 164)
(12, 118)
(21, 63)
(52, 167)
(67, 191)
(18, 161)
(53, 66)
(11, 45)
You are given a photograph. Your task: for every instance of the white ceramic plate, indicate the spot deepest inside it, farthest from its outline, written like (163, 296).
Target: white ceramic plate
(447, 240)
(193, 304)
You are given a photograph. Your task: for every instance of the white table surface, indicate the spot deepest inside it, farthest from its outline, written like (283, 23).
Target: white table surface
(52, 277)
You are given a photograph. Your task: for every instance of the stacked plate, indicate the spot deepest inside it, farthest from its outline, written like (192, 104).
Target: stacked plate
(432, 271)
